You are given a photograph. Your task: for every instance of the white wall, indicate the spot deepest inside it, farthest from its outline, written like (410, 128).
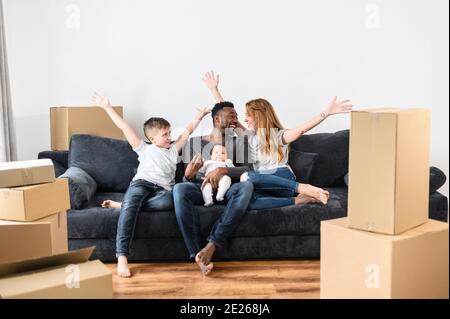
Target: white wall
(150, 55)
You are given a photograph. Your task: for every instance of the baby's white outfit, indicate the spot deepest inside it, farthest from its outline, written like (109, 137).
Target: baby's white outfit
(224, 183)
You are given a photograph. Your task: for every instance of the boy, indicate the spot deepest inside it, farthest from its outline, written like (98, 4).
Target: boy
(156, 171)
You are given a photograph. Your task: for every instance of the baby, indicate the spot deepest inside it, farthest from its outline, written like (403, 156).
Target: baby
(218, 159)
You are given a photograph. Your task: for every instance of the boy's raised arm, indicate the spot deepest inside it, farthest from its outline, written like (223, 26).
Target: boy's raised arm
(182, 139)
(334, 107)
(131, 136)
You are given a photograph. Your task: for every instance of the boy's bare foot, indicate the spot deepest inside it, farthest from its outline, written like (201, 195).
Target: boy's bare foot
(301, 199)
(314, 192)
(111, 204)
(203, 258)
(122, 267)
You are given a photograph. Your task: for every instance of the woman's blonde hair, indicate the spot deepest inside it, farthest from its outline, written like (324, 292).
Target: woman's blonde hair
(267, 126)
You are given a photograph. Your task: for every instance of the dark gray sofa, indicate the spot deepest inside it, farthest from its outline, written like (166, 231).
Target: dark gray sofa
(288, 232)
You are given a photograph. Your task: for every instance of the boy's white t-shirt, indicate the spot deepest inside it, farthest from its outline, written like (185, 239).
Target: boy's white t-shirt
(157, 165)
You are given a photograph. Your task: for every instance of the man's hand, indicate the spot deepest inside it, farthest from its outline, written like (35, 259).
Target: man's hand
(193, 167)
(211, 80)
(214, 177)
(101, 101)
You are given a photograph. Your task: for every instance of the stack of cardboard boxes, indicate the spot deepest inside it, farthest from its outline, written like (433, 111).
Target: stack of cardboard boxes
(386, 247)
(33, 226)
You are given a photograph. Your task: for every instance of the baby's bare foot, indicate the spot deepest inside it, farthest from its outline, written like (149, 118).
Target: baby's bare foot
(122, 267)
(314, 192)
(111, 204)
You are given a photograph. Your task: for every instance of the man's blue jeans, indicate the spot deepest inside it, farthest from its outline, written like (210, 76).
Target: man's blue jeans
(140, 194)
(187, 195)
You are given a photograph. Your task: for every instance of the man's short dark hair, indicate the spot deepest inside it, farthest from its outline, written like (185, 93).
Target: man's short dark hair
(155, 122)
(219, 106)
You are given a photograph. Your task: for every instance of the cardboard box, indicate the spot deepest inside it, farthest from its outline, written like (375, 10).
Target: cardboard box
(29, 203)
(62, 276)
(22, 173)
(68, 120)
(360, 264)
(21, 241)
(389, 169)
(57, 230)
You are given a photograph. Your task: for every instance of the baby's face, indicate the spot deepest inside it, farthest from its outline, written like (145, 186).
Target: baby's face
(219, 153)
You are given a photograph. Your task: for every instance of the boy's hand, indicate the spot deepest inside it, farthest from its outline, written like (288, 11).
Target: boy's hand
(201, 112)
(336, 107)
(101, 101)
(211, 80)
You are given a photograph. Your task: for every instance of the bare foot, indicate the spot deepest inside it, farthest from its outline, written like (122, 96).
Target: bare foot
(301, 199)
(111, 204)
(122, 267)
(203, 258)
(314, 192)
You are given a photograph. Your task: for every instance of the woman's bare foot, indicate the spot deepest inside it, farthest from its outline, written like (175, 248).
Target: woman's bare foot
(203, 258)
(111, 204)
(314, 192)
(301, 199)
(122, 267)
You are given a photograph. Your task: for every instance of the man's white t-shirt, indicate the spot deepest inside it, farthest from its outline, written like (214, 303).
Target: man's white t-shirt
(157, 165)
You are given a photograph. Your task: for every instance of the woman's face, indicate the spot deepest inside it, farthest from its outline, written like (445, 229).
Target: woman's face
(250, 121)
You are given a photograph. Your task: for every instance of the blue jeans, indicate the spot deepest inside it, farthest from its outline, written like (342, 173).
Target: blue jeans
(187, 195)
(272, 189)
(162, 200)
(136, 195)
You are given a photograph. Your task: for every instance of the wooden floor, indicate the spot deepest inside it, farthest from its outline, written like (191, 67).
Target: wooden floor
(234, 280)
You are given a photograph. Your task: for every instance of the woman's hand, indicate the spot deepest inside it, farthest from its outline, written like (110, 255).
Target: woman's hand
(337, 107)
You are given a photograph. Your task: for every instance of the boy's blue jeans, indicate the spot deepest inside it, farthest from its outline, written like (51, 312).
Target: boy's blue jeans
(273, 189)
(139, 194)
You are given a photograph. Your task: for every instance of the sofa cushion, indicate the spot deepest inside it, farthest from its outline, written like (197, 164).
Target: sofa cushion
(302, 163)
(82, 187)
(97, 222)
(112, 163)
(437, 179)
(332, 161)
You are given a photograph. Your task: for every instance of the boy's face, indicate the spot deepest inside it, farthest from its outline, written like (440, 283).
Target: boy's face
(160, 137)
(219, 153)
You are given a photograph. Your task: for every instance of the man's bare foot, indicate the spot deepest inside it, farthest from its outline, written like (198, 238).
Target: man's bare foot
(203, 258)
(122, 267)
(301, 199)
(314, 192)
(111, 204)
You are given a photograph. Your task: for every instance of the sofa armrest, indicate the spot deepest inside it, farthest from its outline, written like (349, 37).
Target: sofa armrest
(82, 187)
(59, 159)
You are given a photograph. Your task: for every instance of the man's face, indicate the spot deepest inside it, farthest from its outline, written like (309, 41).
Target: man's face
(226, 118)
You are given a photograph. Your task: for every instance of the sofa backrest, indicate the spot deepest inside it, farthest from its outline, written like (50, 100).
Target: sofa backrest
(110, 162)
(331, 163)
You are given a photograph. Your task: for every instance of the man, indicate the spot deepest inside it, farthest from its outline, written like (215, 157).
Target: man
(188, 194)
